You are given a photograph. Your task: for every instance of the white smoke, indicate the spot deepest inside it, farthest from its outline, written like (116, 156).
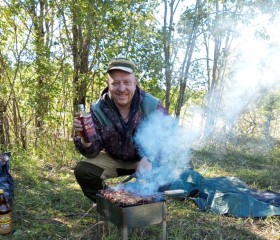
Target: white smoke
(167, 146)
(255, 73)
(257, 67)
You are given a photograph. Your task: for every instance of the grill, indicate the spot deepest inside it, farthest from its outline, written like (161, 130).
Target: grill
(148, 211)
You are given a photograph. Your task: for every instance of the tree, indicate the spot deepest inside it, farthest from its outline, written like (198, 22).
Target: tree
(92, 47)
(2, 107)
(220, 25)
(170, 8)
(190, 28)
(42, 17)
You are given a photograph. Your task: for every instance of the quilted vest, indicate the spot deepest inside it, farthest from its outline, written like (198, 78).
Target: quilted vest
(147, 106)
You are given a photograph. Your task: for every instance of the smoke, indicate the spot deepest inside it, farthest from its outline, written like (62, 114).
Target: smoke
(256, 69)
(255, 74)
(167, 146)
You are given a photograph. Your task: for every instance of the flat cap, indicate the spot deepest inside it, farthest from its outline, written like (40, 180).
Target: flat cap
(122, 64)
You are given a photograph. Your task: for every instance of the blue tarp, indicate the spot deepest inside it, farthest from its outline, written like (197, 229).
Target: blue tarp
(227, 195)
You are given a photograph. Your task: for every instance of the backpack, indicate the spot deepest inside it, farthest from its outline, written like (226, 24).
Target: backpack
(6, 179)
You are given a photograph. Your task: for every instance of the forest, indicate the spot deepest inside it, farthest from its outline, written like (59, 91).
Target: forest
(212, 63)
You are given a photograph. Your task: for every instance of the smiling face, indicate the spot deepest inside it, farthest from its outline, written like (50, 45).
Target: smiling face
(122, 86)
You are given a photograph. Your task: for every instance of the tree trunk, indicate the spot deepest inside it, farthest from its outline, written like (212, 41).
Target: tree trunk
(167, 36)
(192, 38)
(2, 134)
(268, 117)
(80, 54)
(42, 50)
(2, 108)
(222, 42)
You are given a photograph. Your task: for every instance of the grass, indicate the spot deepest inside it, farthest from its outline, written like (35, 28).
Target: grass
(49, 204)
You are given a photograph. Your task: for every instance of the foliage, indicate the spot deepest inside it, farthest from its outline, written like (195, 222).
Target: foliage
(41, 76)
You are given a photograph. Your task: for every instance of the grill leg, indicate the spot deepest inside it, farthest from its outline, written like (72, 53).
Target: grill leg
(164, 222)
(164, 230)
(124, 226)
(98, 226)
(124, 232)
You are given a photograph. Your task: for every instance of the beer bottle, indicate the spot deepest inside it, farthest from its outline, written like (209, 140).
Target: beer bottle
(88, 132)
(5, 215)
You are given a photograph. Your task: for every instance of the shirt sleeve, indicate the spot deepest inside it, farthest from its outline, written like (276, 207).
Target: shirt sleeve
(88, 152)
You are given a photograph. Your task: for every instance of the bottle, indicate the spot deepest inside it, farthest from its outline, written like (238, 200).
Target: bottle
(5, 215)
(86, 119)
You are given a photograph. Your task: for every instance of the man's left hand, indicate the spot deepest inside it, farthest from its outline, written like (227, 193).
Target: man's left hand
(143, 166)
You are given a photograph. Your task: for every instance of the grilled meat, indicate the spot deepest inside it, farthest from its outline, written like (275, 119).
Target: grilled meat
(124, 198)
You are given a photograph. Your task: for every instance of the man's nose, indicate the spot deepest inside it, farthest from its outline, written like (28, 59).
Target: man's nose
(121, 86)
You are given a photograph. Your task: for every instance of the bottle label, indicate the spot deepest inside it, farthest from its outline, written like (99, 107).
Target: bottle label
(89, 129)
(5, 223)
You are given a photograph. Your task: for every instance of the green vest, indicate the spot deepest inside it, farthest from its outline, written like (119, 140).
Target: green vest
(147, 106)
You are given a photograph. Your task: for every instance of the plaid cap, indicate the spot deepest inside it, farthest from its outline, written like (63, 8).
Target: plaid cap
(121, 63)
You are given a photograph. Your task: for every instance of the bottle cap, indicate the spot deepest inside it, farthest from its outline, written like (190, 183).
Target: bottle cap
(81, 107)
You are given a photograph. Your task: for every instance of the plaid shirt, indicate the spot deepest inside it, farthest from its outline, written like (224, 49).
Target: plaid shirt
(117, 140)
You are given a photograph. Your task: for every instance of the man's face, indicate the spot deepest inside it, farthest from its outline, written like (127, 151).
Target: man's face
(122, 86)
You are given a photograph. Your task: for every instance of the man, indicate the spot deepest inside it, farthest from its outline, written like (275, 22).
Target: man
(116, 116)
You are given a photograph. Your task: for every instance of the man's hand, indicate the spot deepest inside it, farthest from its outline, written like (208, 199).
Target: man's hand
(143, 166)
(78, 127)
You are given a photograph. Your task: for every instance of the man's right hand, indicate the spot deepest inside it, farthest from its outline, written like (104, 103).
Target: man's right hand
(78, 127)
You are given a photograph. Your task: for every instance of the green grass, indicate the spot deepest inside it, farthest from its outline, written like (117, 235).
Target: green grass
(49, 204)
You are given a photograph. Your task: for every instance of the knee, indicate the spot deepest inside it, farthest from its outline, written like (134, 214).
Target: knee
(79, 170)
(88, 177)
(87, 171)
